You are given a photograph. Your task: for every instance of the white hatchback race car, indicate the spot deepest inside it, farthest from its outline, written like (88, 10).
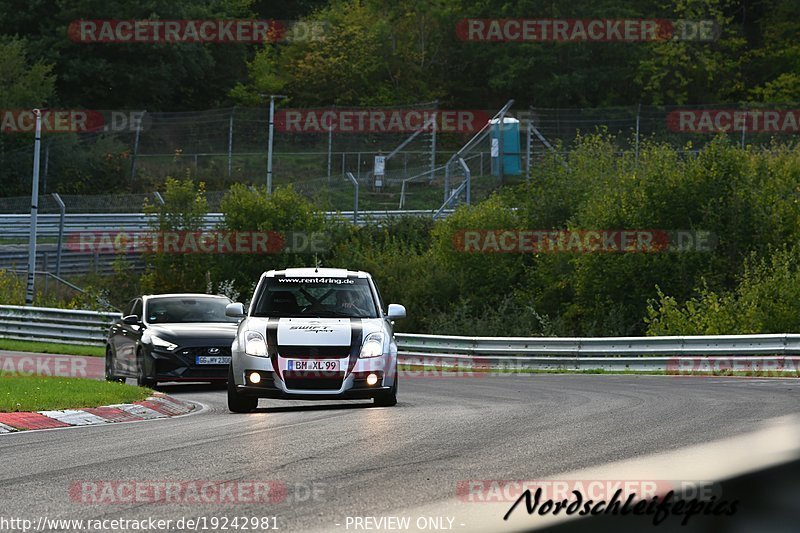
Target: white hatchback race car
(313, 334)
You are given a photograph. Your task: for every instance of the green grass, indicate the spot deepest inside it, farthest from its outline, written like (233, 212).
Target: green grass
(51, 347)
(45, 393)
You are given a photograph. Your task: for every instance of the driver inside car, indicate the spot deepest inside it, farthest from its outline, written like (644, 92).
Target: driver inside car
(350, 300)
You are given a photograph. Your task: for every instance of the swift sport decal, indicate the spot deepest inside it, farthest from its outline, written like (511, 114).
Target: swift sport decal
(313, 332)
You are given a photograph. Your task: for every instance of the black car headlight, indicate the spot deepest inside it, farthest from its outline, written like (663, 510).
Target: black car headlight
(158, 342)
(373, 345)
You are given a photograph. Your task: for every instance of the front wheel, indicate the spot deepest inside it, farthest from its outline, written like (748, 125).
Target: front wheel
(142, 379)
(388, 398)
(237, 402)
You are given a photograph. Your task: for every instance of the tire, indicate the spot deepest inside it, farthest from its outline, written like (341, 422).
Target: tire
(110, 376)
(389, 398)
(237, 402)
(141, 379)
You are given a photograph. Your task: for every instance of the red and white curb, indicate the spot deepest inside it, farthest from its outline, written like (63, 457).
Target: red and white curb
(156, 406)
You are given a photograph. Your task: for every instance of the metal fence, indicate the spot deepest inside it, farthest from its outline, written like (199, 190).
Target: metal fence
(779, 352)
(224, 146)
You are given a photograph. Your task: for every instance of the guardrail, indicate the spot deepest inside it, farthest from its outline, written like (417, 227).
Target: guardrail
(770, 351)
(18, 225)
(69, 326)
(765, 344)
(777, 352)
(72, 262)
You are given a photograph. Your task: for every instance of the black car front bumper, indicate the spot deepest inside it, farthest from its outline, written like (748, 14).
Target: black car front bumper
(181, 364)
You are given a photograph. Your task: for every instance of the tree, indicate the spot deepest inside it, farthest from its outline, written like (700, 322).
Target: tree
(136, 75)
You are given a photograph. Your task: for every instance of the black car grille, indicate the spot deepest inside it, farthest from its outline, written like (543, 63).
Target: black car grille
(313, 380)
(314, 352)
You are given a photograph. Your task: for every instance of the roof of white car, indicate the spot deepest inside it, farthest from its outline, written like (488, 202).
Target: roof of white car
(183, 295)
(316, 273)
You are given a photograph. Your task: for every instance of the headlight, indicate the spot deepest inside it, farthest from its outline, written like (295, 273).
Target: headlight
(161, 343)
(373, 345)
(254, 344)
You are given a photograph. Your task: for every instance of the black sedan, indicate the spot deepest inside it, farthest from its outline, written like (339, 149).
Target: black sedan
(171, 337)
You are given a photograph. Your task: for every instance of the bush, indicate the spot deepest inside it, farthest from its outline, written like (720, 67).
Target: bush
(184, 209)
(252, 209)
(766, 300)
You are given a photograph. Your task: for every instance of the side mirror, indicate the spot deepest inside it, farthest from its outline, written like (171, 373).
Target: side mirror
(396, 311)
(131, 320)
(235, 310)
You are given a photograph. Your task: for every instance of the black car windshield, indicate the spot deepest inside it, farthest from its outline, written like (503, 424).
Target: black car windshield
(179, 309)
(320, 297)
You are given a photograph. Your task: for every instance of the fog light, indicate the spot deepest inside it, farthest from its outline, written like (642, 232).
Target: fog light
(255, 378)
(372, 379)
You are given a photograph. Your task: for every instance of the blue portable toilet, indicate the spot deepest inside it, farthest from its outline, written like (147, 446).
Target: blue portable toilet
(512, 160)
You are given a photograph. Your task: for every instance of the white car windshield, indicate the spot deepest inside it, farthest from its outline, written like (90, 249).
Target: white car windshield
(320, 297)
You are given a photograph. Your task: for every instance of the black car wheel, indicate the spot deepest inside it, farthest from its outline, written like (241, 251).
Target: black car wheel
(142, 379)
(389, 398)
(110, 376)
(237, 402)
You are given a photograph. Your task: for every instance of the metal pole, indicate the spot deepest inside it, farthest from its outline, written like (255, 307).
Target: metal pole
(433, 148)
(500, 148)
(46, 165)
(230, 141)
(446, 181)
(529, 141)
(272, 98)
(467, 177)
(355, 206)
(136, 145)
(638, 115)
(269, 147)
(330, 151)
(34, 209)
(62, 212)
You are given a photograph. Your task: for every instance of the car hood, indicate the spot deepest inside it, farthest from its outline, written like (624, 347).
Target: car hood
(315, 331)
(195, 334)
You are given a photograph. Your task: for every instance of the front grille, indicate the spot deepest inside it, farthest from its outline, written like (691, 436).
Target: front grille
(313, 380)
(191, 353)
(314, 352)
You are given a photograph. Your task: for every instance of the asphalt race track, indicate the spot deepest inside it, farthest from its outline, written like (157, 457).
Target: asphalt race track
(346, 459)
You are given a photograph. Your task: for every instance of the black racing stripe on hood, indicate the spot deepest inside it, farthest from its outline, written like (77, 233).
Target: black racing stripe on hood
(356, 340)
(272, 342)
